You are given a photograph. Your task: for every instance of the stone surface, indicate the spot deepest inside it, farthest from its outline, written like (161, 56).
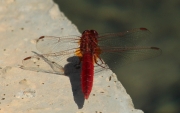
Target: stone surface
(24, 91)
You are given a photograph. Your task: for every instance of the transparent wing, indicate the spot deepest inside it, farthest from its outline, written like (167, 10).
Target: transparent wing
(116, 48)
(54, 63)
(55, 54)
(123, 47)
(125, 55)
(41, 64)
(124, 39)
(50, 44)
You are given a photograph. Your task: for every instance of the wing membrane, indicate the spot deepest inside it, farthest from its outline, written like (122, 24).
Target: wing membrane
(116, 48)
(51, 63)
(50, 44)
(124, 39)
(121, 55)
(41, 64)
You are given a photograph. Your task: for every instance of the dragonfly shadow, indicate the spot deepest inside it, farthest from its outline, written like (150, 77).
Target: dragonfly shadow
(73, 69)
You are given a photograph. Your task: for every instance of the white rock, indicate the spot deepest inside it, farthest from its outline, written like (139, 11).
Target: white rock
(24, 91)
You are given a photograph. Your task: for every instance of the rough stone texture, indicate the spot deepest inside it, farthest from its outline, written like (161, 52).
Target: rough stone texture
(24, 91)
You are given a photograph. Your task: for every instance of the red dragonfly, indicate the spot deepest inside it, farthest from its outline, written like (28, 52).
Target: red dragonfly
(90, 48)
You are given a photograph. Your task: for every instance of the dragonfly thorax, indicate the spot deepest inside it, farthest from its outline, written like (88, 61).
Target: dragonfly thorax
(88, 41)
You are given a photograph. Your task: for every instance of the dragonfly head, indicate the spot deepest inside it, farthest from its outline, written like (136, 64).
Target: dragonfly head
(90, 32)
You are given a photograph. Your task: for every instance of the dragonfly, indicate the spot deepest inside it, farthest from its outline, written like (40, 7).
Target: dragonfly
(91, 49)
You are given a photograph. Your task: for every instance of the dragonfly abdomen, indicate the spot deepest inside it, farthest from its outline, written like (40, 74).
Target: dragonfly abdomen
(87, 74)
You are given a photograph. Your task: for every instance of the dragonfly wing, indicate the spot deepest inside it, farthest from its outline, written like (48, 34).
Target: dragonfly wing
(116, 56)
(41, 64)
(51, 63)
(124, 39)
(50, 44)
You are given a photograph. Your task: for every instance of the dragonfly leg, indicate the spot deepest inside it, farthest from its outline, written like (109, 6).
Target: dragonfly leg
(102, 62)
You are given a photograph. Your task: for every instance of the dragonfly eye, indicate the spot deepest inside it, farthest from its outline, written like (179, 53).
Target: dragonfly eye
(85, 32)
(94, 32)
